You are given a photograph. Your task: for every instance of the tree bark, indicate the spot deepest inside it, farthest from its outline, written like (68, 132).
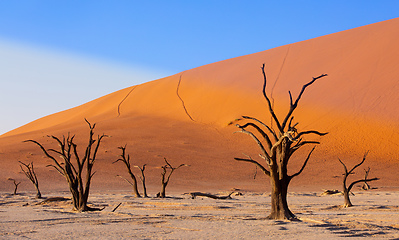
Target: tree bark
(135, 189)
(347, 200)
(279, 204)
(162, 194)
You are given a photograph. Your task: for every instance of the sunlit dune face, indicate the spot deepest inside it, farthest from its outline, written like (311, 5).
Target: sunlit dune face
(186, 117)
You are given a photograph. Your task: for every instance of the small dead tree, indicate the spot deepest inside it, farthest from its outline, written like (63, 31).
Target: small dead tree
(168, 169)
(142, 178)
(346, 190)
(366, 186)
(15, 185)
(281, 144)
(126, 160)
(78, 175)
(31, 175)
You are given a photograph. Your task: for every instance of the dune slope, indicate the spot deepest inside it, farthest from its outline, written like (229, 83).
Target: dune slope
(185, 117)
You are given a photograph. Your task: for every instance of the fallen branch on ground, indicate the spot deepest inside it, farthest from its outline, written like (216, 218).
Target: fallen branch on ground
(200, 194)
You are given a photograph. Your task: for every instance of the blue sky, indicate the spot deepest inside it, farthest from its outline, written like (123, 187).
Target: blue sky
(55, 55)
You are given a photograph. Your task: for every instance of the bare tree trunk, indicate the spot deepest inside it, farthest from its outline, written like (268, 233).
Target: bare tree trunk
(38, 193)
(279, 204)
(366, 186)
(126, 160)
(347, 201)
(163, 190)
(142, 169)
(135, 189)
(144, 189)
(15, 186)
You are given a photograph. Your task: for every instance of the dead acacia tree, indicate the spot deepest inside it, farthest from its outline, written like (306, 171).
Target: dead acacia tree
(15, 185)
(31, 175)
(366, 186)
(126, 160)
(142, 178)
(168, 169)
(346, 190)
(281, 144)
(78, 174)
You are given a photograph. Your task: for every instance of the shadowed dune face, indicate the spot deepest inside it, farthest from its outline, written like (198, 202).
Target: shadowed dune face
(185, 117)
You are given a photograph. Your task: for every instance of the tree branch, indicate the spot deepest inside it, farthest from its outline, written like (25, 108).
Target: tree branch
(343, 164)
(47, 154)
(30, 173)
(256, 140)
(61, 171)
(359, 181)
(301, 144)
(268, 101)
(309, 132)
(364, 158)
(264, 135)
(200, 194)
(254, 162)
(125, 179)
(276, 144)
(304, 164)
(267, 127)
(294, 105)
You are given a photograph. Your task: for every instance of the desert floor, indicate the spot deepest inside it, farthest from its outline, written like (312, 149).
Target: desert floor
(375, 214)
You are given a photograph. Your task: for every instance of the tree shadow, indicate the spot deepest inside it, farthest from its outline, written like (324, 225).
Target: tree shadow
(344, 231)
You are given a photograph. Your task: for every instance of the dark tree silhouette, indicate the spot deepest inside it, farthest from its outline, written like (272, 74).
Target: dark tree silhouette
(31, 175)
(75, 173)
(142, 178)
(168, 169)
(346, 190)
(126, 160)
(15, 185)
(366, 186)
(281, 144)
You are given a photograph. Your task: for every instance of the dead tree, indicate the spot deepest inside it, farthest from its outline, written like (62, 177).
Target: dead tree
(15, 186)
(200, 194)
(78, 174)
(126, 160)
(142, 178)
(31, 175)
(281, 144)
(166, 176)
(366, 186)
(346, 190)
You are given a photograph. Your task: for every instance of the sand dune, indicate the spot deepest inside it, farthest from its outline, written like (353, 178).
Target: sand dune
(185, 117)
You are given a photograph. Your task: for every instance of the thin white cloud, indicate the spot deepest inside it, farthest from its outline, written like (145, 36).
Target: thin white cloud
(37, 82)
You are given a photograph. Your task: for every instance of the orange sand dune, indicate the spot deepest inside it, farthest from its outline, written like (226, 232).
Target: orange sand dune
(185, 117)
